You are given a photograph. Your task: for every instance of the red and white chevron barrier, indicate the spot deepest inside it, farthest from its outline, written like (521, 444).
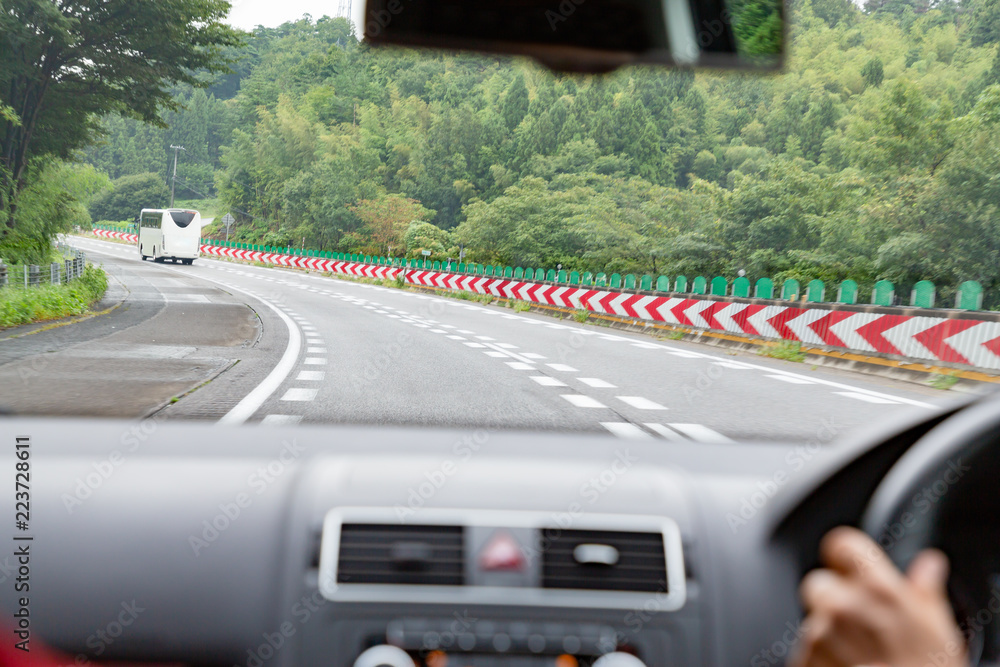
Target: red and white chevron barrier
(955, 340)
(357, 269)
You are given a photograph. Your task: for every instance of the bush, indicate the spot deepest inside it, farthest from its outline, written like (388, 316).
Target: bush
(786, 349)
(19, 305)
(581, 315)
(128, 196)
(521, 306)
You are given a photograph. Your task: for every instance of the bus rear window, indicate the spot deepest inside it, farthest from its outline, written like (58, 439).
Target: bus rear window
(182, 218)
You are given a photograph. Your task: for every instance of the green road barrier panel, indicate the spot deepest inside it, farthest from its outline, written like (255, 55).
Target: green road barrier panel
(462, 267)
(681, 284)
(561, 276)
(663, 284)
(630, 281)
(699, 285)
(437, 266)
(508, 272)
(815, 291)
(720, 286)
(764, 289)
(616, 281)
(790, 290)
(741, 287)
(969, 296)
(847, 292)
(539, 274)
(601, 280)
(550, 275)
(519, 273)
(587, 278)
(923, 294)
(529, 273)
(488, 270)
(883, 293)
(574, 278)
(646, 282)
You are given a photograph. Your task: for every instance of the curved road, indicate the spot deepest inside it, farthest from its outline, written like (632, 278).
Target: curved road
(236, 343)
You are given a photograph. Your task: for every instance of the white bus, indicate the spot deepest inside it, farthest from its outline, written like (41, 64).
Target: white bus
(173, 234)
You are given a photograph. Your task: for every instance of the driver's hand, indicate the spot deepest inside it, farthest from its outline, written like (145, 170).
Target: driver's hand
(863, 611)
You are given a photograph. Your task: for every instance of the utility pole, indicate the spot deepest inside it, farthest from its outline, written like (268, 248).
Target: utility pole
(173, 182)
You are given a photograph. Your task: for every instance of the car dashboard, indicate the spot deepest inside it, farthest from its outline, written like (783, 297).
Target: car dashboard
(343, 546)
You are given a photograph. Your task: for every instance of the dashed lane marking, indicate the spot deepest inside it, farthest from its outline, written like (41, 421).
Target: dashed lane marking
(640, 403)
(581, 401)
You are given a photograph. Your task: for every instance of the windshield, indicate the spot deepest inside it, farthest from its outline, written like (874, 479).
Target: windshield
(182, 218)
(441, 239)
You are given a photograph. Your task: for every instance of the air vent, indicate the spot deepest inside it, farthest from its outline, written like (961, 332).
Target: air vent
(395, 554)
(603, 560)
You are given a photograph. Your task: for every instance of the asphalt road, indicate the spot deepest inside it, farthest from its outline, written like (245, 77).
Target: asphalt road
(234, 343)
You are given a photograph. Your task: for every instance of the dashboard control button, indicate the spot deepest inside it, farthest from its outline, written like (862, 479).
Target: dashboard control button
(618, 660)
(384, 656)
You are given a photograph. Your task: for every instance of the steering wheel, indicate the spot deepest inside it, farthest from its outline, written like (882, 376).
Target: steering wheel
(947, 474)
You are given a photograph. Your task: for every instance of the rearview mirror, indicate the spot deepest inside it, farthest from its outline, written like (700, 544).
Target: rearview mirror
(591, 35)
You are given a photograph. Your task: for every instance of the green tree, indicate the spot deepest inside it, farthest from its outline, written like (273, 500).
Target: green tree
(63, 65)
(127, 196)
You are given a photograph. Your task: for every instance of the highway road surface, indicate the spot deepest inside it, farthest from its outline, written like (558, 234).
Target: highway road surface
(239, 344)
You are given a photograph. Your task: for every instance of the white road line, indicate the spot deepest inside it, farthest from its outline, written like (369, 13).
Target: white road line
(730, 364)
(790, 379)
(280, 420)
(457, 337)
(486, 338)
(700, 433)
(562, 368)
(252, 401)
(581, 401)
(640, 403)
(667, 434)
(438, 331)
(299, 394)
(316, 350)
(532, 355)
(315, 361)
(497, 355)
(520, 366)
(311, 376)
(867, 398)
(507, 346)
(596, 383)
(626, 430)
(478, 346)
(547, 381)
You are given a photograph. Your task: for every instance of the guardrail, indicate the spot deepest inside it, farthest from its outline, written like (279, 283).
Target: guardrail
(923, 294)
(36, 275)
(943, 337)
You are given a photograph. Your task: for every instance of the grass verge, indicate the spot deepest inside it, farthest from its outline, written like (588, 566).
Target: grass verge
(944, 382)
(787, 350)
(19, 305)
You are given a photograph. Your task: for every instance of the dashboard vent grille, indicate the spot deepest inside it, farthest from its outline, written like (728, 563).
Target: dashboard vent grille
(394, 554)
(640, 564)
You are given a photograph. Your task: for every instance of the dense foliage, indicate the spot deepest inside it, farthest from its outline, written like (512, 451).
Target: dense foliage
(118, 201)
(874, 155)
(51, 302)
